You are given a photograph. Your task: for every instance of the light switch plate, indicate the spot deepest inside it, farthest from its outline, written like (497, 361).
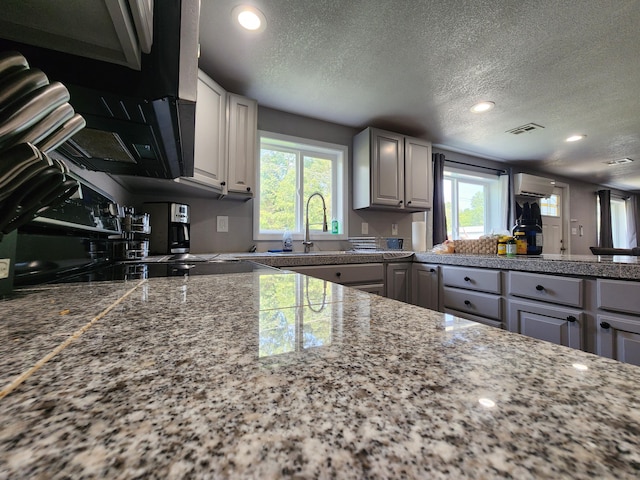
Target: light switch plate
(365, 228)
(223, 223)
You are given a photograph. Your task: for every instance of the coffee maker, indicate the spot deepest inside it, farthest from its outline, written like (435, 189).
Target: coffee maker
(169, 227)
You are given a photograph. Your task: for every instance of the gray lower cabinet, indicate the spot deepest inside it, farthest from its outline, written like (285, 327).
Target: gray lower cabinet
(474, 294)
(425, 286)
(618, 320)
(398, 282)
(554, 311)
(368, 277)
(560, 325)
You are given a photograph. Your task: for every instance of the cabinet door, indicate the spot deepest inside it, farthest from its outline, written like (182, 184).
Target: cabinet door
(418, 173)
(618, 337)
(563, 326)
(242, 139)
(210, 133)
(387, 168)
(398, 281)
(424, 286)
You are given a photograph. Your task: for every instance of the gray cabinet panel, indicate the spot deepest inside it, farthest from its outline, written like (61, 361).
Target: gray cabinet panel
(476, 303)
(361, 273)
(398, 281)
(563, 326)
(618, 337)
(482, 280)
(418, 168)
(619, 296)
(547, 288)
(425, 286)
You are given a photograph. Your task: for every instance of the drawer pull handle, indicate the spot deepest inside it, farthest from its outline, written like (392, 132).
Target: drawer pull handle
(605, 325)
(539, 288)
(467, 279)
(223, 183)
(467, 303)
(248, 189)
(571, 318)
(338, 274)
(432, 270)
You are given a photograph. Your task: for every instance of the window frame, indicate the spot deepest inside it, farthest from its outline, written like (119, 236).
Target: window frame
(339, 154)
(490, 184)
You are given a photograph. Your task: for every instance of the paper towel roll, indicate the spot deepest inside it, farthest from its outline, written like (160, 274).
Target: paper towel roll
(419, 236)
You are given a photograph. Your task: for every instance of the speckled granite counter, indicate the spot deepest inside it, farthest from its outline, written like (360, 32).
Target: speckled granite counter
(271, 375)
(623, 267)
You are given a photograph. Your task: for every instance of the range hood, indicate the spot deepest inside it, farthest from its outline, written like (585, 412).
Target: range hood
(139, 107)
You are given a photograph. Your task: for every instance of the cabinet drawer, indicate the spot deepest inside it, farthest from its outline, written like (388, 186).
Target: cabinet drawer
(547, 288)
(472, 278)
(483, 304)
(619, 296)
(365, 273)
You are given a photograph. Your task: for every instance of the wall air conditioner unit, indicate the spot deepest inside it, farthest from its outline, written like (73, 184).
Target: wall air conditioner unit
(531, 186)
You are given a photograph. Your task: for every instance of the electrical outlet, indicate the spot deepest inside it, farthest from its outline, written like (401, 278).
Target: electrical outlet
(5, 264)
(394, 229)
(223, 223)
(365, 228)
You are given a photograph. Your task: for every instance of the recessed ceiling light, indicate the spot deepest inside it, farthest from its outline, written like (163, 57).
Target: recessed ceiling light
(250, 18)
(482, 107)
(575, 138)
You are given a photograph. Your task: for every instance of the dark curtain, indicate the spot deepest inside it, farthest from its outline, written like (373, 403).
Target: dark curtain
(439, 217)
(606, 230)
(511, 201)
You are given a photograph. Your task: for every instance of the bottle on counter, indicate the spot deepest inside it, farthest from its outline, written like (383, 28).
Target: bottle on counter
(335, 226)
(511, 247)
(287, 241)
(529, 238)
(502, 244)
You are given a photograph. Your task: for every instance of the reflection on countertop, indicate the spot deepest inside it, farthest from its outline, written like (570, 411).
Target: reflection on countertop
(270, 375)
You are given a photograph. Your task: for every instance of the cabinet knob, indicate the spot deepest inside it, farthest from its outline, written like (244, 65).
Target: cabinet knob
(248, 189)
(539, 288)
(467, 279)
(571, 318)
(338, 274)
(467, 303)
(409, 202)
(223, 183)
(432, 270)
(400, 202)
(605, 325)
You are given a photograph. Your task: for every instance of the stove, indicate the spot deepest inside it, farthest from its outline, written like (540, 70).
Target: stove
(142, 270)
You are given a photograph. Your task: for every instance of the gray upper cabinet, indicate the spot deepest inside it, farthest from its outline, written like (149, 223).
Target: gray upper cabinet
(391, 171)
(225, 140)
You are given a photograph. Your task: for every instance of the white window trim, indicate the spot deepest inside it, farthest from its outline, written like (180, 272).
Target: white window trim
(342, 201)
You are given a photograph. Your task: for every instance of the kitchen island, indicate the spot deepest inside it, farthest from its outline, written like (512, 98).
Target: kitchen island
(273, 374)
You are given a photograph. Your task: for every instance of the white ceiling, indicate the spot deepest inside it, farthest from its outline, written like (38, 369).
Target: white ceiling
(417, 66)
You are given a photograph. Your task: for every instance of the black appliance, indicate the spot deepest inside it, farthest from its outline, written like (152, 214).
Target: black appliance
(529, 226)
(170, 227)
(139, 122)
(143, 270)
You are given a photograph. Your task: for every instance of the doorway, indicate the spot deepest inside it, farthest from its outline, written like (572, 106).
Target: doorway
(554, 210)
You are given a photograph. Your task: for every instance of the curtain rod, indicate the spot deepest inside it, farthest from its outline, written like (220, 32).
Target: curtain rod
(499, 171)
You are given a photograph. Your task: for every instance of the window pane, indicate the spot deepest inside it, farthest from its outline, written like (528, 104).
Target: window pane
(277, 190)
(619, 223)
(318, 177)
(549, 206)
(471, 212)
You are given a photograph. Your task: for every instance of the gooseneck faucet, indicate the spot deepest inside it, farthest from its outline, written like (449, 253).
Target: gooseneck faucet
(325, 228)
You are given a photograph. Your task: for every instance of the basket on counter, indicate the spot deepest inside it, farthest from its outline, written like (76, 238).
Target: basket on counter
(485, 246)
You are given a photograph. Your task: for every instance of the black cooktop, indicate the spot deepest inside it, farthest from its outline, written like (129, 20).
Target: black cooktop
(142, 270)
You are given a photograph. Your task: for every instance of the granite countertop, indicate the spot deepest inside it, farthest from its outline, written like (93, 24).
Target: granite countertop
(272, 374)
(623, 267)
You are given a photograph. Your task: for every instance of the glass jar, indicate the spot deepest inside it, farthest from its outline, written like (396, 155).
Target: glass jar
(511, 247)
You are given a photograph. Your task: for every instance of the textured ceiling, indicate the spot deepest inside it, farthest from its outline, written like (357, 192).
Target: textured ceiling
(416, 67)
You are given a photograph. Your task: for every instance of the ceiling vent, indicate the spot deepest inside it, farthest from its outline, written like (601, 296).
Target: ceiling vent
(527, 128)
(622, 161)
